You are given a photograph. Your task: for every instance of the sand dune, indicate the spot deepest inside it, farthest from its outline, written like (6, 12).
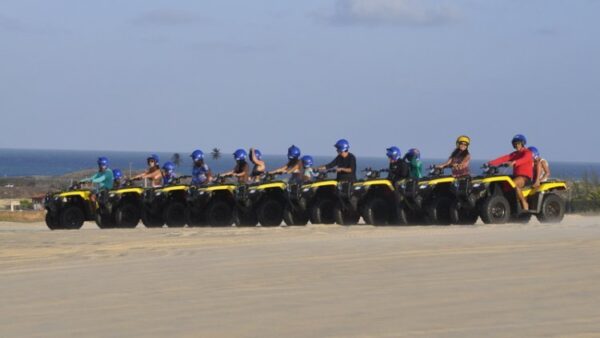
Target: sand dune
(315, 281)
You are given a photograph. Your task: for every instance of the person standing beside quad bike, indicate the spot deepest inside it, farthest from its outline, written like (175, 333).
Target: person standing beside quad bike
(153, 172)
(522, 162)
(292, 167)
(459, 159)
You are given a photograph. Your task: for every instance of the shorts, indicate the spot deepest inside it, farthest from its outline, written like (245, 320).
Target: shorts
(527, 180)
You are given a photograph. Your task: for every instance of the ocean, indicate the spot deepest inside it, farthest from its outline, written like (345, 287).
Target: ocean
(18, 162)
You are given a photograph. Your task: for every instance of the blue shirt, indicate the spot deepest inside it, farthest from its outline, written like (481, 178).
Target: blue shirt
(168, 179)
(199, 174)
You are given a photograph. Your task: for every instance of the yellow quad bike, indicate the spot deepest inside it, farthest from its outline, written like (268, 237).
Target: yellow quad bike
(121, 207)
(375, 198)
(331, 201)
(261, 202)
(426, 200)
(493, 197)
(211, 204)
(298, 198)
(69, 209)
(165, 205)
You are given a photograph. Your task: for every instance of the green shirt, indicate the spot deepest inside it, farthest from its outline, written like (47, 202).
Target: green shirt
(103, 179)
(416, 168)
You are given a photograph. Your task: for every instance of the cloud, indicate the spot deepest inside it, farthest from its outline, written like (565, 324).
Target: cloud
(233, 47)
(390, 12)
(10, 24)
(547, 31)
(167, 17)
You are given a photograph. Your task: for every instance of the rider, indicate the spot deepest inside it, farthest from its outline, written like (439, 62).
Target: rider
(200, 172)
(293, 166)
(259, 165)
(459, 159)
(398, 168)
(103, 179)
(415, 166)
(541, 169)
(308, 173)
(153, 172)
(240, 171)
(522, 162)
(168, 174)
(345, 162)
(118, 179)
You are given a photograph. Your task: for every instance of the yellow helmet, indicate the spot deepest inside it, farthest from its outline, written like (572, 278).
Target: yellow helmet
(463, 138)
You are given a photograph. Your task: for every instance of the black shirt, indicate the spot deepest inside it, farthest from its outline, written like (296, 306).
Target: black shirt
(348, 162)
(398, 170)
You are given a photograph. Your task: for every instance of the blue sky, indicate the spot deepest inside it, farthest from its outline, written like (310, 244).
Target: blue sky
(177, 75)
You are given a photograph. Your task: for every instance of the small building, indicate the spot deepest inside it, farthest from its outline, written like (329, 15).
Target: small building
(38, 202)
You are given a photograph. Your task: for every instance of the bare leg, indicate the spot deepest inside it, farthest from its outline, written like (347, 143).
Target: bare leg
(520, 183)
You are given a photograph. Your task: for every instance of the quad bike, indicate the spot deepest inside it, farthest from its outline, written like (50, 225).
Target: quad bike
(375, 198)
(69, 209)
(493, 197)
(121, 207)
(426, 200)
(165, 205)
(331, 200)
(262, 202)
(211, 204)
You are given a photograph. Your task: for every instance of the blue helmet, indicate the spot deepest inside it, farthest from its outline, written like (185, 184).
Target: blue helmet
(154, 158)
(535, 152)
(117, 174)
(342, 145)
(258, 154)
(169, 167)
(519, 138)
(103, 162)
(413, 153)
(307, 161)
(240, 155)
(293, 152)
(197, 155)
(393, 153)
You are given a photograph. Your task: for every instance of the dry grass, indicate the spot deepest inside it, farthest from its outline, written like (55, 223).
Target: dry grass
(22, 216)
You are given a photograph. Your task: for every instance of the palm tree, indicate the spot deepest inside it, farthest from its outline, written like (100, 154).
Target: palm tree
(216, 153)
(176, 159)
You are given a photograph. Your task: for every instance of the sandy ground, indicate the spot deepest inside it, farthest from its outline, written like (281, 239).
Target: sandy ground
(316, 281)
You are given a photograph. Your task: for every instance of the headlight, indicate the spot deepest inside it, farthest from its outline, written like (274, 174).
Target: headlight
(456, 184)
(111, 195)
(423, 186)
(305, 189)
(358, 188)
(201, 192)
(158, 193)
(253, 191)
(64, 199)
(476, 185)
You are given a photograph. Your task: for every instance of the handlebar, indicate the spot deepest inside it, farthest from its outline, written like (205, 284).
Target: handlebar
(374, 173)
(493, 170)
(435, 171)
